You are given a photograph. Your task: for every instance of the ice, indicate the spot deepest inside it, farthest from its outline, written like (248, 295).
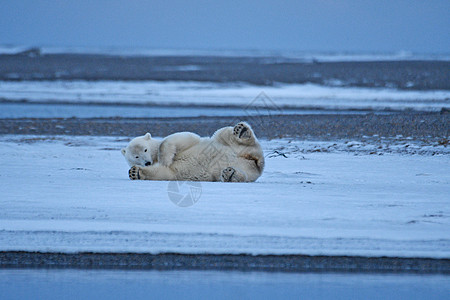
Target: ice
(208, 93)
(73, 194)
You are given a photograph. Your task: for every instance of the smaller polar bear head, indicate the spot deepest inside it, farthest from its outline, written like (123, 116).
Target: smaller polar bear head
(141, 151)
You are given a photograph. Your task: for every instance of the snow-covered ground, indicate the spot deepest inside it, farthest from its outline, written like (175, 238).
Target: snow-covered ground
(73, 194)
(208, 93)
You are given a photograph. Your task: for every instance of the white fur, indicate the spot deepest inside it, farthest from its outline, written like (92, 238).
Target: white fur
(142, 151)
(231, 154)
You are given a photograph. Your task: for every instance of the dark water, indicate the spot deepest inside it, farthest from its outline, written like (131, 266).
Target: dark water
(46, 110)
(114, 284)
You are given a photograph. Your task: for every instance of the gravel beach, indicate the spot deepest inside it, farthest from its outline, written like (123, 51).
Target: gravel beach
(430, 127)
(410, 75)
(220, 262)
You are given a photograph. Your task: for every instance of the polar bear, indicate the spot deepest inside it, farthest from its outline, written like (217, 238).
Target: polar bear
(232, 154)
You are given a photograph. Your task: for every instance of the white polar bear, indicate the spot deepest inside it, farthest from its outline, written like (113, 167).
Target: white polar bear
(232, 154)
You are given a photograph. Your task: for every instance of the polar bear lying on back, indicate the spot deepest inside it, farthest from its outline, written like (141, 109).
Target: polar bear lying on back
(232, 154)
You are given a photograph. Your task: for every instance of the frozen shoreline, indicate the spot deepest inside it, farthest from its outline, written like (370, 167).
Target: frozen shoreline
(220, 95)
(307, 202)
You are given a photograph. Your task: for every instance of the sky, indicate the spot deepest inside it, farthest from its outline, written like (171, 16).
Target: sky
(314, 25)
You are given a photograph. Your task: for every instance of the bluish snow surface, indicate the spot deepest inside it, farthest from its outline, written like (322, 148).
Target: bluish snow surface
(73, 194)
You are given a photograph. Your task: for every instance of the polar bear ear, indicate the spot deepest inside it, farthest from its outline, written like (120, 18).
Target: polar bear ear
(147, 136)
(123, 151)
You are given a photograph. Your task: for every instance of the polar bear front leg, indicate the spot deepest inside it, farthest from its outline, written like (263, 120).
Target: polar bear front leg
(233, 175)
(174, 144)
(155, 172)
(133, 173)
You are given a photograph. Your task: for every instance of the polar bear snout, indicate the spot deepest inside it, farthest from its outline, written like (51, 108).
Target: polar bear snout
(149, 163)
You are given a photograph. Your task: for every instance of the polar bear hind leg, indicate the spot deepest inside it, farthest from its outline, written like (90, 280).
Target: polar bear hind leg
(233, 175)
(240, 134)
(244, 133)
(174, 144)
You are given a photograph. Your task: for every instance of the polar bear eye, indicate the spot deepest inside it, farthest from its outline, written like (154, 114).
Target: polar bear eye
(137, 156)
(145, 150)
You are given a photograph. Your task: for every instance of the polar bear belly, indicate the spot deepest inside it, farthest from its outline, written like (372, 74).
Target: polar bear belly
(203, 162)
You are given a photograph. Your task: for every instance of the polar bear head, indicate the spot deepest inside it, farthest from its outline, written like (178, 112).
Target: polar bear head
(141, 151)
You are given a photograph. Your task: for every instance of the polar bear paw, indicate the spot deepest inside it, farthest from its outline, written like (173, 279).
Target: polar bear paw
(232, 175)
(133, 173)
(242, 131)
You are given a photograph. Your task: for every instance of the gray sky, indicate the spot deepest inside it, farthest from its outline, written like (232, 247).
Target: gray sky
(313, 25)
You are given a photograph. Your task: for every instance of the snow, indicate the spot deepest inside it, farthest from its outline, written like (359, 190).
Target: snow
(73, 194)
(208, 93)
